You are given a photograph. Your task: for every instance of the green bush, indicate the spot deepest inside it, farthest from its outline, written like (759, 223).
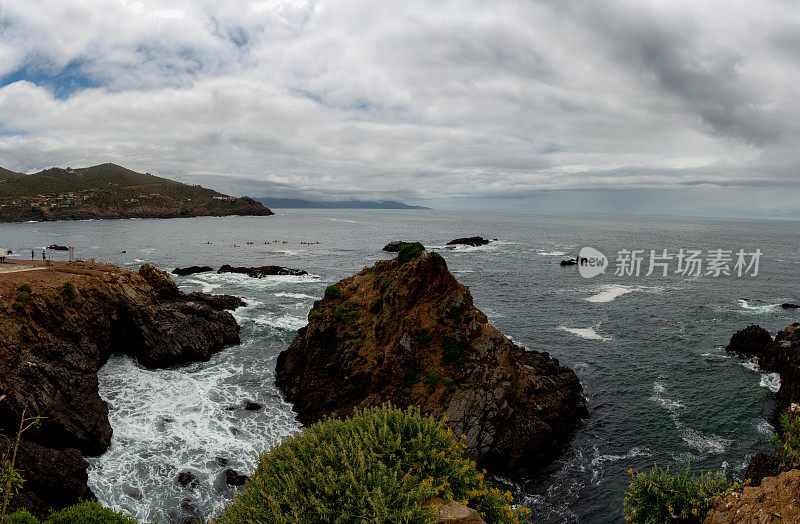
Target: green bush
(333, 292)
(69, 291)
(787, 439)
(25, 288)
(423, 337)
(58, 302)
(409, 252)
(379, 465)
(410, 378)
(22, 300)
(431, 379)
(343, 314)
(657, 496)
(88, 512)
(452, 347)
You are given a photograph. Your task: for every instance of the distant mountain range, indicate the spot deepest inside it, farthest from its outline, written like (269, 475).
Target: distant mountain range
(295, 203)
(110, 191)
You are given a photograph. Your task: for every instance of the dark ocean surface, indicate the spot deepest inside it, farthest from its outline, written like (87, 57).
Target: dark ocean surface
(647, 349)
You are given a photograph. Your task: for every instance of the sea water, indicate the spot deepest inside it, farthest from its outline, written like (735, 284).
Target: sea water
(648, 350)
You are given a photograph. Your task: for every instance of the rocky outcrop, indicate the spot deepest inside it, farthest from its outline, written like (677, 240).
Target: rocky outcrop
(262, 271)
(73, 318)
(776, 500)
(789, 305)
(753, 341)
(394, 246)
(409, 334)
(56, 247)
(191, 270)
(469, 241)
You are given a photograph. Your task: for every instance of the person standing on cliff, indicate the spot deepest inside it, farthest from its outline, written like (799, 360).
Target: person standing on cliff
(44, 255)
(32, 255)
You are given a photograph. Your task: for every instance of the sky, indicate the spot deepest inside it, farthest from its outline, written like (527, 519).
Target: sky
(660, 107)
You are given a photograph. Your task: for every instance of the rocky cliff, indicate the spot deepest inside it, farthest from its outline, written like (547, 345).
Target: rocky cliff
(58, 326)
(406, 332)
(774, 501)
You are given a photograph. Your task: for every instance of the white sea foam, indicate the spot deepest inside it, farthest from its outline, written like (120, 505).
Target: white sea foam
(609, 292)
(551, 253)
(207, 287)
(286, 321)
(757, 306)
(764, 427)
(294, 295)
(700, 441)
(587, 333)
(637, 451)
(771, 381)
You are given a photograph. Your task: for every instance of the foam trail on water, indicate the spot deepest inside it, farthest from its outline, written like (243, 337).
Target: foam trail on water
(587, 333)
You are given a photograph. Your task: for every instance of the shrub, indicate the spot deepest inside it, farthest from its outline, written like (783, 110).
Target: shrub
(21, 517)
(88, 512)
(333, 292)
(448, 382)
(658, 496)
(452, 347)
(343, 314)
(410, 378)
(25, 288)
(69, 291)
(423, 337)
(787, 439)
(381, 464)
(431, 379)
(314, 314)
(409, 252)
(58, 302)
(376, 305)
(21, 301)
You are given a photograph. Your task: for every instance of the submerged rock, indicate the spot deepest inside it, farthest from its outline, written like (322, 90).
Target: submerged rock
(262, 271)
(56, 247)
(232, 478)
(469, 241)
(394, 246)
(191, 270)
(789, 305)
(187, 479)
(50, 352)
(409, 334)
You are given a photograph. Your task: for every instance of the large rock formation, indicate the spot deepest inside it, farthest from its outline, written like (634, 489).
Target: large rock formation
(781, 355)
(261, 271)
(410, 335)
(776, 500)
(57, 328)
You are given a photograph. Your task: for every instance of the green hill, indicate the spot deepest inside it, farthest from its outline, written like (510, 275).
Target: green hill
(110, 191)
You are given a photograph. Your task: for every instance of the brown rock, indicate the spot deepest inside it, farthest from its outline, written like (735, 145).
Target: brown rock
(454, 512)
(410, 335)
(776, 500)
(50, 352)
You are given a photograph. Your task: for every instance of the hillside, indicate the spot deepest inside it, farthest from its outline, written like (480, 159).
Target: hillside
(110, 191)
(296, 203)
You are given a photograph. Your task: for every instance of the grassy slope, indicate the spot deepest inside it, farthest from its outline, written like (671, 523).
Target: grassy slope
(55, 181)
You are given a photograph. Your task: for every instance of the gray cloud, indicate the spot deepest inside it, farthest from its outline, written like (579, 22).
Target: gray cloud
(443, 103)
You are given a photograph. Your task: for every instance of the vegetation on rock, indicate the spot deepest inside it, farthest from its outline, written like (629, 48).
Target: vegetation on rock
(380, 464)
(659, 496)
(88, 512)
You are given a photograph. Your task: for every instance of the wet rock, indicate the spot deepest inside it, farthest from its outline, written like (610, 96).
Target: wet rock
(570, 262)
(191, 270)
(49, 360)
(469, 241)
(187, 479)
(232, 478)
(429, 346)
(753, 341)
(221, 461)
(789, 305)
(217, 302)
(394, 246)
(56, 247)
(262, 271)
(760, 466)
(252, 406)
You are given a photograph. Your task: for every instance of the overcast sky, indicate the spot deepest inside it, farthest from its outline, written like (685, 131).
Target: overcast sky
(684, 107)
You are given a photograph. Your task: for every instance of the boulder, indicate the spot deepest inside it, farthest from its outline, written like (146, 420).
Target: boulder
(394, 246)
(191, 270)
(262, 271)
(469, 241)
(752, 341)
(789, 305)
(56, 247)
(187, 479)
(232, 478)
(409, 334)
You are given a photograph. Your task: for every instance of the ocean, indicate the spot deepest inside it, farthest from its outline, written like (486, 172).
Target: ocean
(648, 349)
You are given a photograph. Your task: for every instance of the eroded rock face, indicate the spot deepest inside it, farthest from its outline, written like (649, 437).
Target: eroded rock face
(394, 246)
(51, 350)
(410, 335)
(776, 500)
